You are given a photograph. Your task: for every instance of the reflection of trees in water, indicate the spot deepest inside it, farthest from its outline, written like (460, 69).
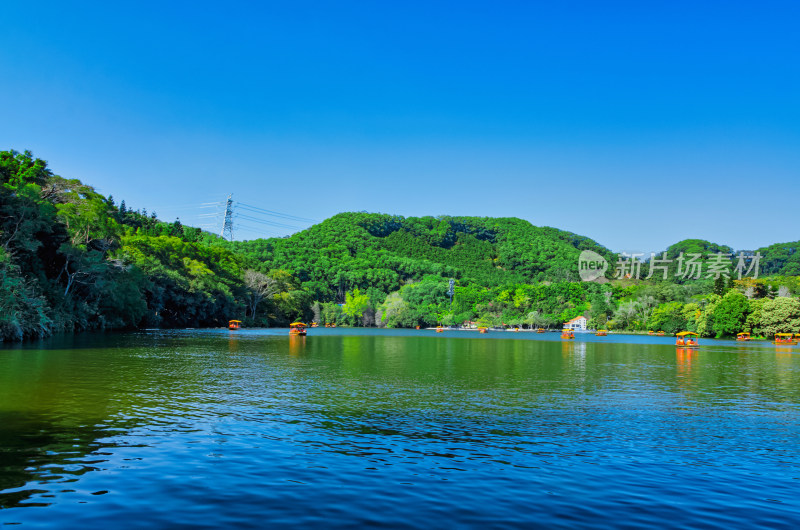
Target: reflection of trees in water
(38, 452)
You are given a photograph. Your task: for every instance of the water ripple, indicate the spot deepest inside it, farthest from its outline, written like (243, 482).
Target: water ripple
(213, 429)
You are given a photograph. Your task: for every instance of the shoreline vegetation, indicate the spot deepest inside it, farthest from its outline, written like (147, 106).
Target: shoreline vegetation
(72, 259)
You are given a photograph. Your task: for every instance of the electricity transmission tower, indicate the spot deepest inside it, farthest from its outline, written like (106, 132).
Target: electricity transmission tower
(227, 224)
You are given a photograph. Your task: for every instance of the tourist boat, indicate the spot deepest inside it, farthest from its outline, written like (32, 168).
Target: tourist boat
(687, 339)
(439, 329)
(483, 330)
(601, 332)
(297, 328)
(516, 329)
(660, 333)
(785, 338)
(567, 334)
(541, 330)
(651, 332)
(314, 324)
(742, 336)
(234, 324)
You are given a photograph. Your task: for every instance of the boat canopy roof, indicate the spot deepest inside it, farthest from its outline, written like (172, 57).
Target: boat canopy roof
(783, 335)
(297, 325)
(235, 321)
(687, 333)
(602, 330)
(744, 334)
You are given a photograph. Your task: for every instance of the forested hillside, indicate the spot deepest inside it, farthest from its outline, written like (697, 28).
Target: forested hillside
(72, 259)
(385, 252)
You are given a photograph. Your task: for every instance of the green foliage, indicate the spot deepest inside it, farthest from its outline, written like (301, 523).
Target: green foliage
(781, 315)
(705, 322)
(332, 314)
(668, 317)
(720, 286)
(70, 259)
(190, 284)
(23, 310)
(355, 305)
(696, 246)
(691, 314)
(753, 322)
(730, 314)
(361, 250)
(780, 259)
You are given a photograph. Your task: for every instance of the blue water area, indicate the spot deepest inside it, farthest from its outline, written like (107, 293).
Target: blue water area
(352, 428)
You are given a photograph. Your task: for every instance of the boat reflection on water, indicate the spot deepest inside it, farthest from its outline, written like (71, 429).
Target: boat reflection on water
(684, 359)
(297, 345)
(233, 342)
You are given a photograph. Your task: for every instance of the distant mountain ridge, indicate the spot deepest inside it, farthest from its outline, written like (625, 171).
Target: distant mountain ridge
(386, 251)
(383, 251)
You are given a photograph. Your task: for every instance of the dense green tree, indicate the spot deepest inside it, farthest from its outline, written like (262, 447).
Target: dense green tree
(781, 315)
(730, 314)
(753, 322)
(355, 304)
(720, 286)
(668, 317)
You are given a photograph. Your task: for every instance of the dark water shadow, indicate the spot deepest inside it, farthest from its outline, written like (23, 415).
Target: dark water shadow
(39, 455)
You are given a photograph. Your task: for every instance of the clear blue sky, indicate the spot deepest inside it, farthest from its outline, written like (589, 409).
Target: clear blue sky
(635, 123)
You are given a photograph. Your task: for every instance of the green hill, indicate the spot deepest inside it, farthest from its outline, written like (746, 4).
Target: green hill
(382, 251)
(781, 259)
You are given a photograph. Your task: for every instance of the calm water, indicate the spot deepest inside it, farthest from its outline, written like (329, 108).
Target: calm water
(397, 429)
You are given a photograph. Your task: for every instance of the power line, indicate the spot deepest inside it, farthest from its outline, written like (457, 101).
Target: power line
(257, 209)
(265, 222)
(241, 226)
(230, 212)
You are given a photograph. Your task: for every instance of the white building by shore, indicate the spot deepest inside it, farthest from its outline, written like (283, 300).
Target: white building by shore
(576, 324)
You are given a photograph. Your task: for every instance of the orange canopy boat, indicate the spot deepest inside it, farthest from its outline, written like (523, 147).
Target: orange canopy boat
(687, 338)
(297, 328)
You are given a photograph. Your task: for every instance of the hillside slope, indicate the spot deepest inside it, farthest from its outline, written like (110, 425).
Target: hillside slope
(386, 251)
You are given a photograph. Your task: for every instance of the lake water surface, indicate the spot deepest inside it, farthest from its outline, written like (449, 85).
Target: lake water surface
(347, 428)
